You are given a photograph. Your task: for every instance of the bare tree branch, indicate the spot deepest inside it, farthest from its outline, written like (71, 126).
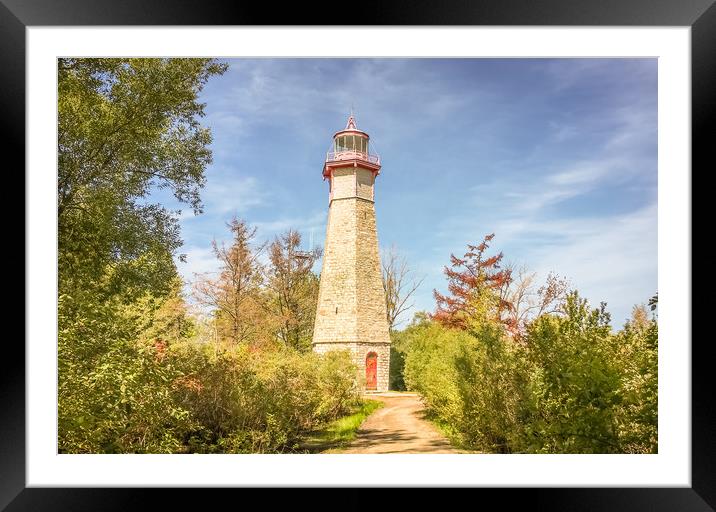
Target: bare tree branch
(399, 285)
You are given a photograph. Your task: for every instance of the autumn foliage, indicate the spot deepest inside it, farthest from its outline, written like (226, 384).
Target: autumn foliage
(474, 275)
(479, 283)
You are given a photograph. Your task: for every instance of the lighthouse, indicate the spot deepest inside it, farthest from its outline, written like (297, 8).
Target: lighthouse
(351, 312)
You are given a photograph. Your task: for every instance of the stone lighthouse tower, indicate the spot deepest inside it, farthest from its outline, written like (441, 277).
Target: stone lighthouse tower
(351, 303)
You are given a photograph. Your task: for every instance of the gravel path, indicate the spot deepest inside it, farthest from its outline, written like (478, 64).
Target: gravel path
(399, 427)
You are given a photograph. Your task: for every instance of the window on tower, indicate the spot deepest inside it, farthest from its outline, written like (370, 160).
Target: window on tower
(341, 144)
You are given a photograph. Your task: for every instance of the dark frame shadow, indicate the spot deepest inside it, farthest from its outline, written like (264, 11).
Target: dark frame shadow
(700, 15)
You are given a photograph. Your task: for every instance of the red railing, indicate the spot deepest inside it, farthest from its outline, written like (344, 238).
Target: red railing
(350, 154)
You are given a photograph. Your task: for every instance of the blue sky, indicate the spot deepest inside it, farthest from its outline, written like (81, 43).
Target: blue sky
(557, 157)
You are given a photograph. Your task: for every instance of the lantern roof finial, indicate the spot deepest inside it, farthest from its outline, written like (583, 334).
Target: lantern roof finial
(351, 124)
(351, 128)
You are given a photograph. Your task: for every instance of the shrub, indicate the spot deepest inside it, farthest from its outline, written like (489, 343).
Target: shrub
(112, 390)
(259, 402)
(398, 344)
(492, 375)
(430, 368)
(396, 380)
(636, 416)
(575, 385)
(120, 391)
(570, 386)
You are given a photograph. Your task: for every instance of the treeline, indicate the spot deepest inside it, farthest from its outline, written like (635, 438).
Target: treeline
(507, 366)
(137, 372)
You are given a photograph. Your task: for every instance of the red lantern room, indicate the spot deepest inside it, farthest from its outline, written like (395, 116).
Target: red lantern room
(350, 149)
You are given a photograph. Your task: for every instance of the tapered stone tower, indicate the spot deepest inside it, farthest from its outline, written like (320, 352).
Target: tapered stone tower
(351, 310)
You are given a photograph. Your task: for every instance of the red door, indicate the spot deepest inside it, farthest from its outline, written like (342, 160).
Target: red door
(371, 371)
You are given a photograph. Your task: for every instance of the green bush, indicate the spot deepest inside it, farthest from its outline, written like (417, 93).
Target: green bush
(570, 386)
(261, 402)
(471, 382)
(492, 376)
(636, 416)
(123, 392)
(575, 386)
(396, 380)
(113, 392)
(430, 368)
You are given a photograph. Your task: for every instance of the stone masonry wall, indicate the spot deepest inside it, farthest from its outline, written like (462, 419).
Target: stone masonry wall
(372, 324)
(351, 301)
(364, 183)
(344, 183)
(353, 182)
(336, 315)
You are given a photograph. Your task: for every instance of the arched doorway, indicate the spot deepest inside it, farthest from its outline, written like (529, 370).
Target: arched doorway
(371, 371)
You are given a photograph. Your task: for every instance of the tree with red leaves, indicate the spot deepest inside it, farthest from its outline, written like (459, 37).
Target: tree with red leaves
(472, 279)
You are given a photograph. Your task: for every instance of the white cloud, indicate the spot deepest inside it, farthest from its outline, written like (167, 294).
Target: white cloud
(607, 257)
(264, 94)
(569, 73)
(563, 131)
(522, 196)
(612, 259)
(304, 225)
(227, 193)
(199, 260)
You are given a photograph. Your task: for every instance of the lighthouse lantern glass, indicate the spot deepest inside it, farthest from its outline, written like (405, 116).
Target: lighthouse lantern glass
(351, 143)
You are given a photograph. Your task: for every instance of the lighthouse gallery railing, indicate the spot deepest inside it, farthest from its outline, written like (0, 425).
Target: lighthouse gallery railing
(350, 154)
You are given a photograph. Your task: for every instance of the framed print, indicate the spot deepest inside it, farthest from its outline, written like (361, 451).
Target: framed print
(203, 312)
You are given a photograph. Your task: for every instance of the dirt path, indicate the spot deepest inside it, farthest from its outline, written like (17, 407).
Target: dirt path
(398, 427)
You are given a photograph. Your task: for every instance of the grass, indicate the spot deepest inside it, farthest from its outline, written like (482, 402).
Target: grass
(339, 433)
(449, 432)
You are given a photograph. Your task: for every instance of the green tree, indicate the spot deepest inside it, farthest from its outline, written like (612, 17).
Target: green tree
(125, 128)
(114, 381)
(399, 344)
(492, 376)
(430, 352)
(571, 385)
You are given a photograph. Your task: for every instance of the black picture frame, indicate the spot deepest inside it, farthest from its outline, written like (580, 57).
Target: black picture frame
(700, 15)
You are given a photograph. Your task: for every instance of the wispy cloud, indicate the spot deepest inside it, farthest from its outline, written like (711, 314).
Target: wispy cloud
(230, 193)
(608, 253)
(530, 195)
(198, 260)
(314, 223)
(610, 259)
